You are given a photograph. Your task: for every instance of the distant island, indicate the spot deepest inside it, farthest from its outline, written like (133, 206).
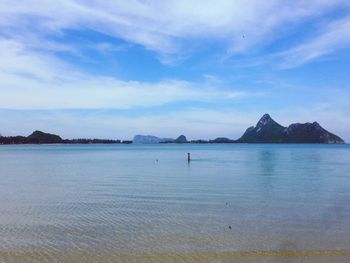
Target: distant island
(265, 131)
(269, 131)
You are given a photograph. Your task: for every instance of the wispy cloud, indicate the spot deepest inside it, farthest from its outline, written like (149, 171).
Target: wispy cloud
(44, 45)
(167, 27)
(32, 80)
(334, 36)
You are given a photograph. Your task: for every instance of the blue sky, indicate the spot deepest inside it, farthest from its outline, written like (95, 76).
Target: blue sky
(113, 69)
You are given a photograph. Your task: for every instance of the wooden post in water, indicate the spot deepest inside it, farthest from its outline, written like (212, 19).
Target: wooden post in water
(188, 157)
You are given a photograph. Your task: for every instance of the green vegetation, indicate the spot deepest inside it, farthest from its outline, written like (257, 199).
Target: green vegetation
(269, 131)
(39, 137)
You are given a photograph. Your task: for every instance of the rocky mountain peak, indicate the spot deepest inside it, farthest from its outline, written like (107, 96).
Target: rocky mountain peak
(316, 125)
(269, 131)
(265, 119)
(181, 139)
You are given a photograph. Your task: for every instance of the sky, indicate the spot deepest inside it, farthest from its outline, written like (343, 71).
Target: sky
(206, 69)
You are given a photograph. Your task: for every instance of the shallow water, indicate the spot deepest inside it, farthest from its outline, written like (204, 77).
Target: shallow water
(116, 202)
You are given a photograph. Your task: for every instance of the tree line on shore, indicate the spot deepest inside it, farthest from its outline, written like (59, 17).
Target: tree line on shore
(39, 137)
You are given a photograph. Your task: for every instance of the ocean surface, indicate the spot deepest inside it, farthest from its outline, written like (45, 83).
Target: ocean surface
(146, 203)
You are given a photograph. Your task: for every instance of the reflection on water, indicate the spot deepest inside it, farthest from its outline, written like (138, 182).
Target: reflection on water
(113, 202)
(267, 161)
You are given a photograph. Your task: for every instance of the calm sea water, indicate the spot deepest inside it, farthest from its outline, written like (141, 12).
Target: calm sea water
(75, 202)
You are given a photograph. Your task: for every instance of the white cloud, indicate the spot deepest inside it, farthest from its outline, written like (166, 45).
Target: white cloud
(334, 36)
(32, 77)
(167, 27)
(31, 80)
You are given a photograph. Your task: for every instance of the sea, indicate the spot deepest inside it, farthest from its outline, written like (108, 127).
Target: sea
(147, 203)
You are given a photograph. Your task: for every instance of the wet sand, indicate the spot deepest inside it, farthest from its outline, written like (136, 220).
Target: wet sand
(79, 255)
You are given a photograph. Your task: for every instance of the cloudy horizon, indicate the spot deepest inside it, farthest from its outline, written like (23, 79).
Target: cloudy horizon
(115, 69)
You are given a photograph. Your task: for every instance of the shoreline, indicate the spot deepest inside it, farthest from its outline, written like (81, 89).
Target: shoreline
(87, 255)
(188, 143)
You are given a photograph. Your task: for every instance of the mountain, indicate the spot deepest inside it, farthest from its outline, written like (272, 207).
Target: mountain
(310, 133)
(148, 139)
(181, 139)
(222, 140)
(42, 137)
(265, 131)
(269, 131)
